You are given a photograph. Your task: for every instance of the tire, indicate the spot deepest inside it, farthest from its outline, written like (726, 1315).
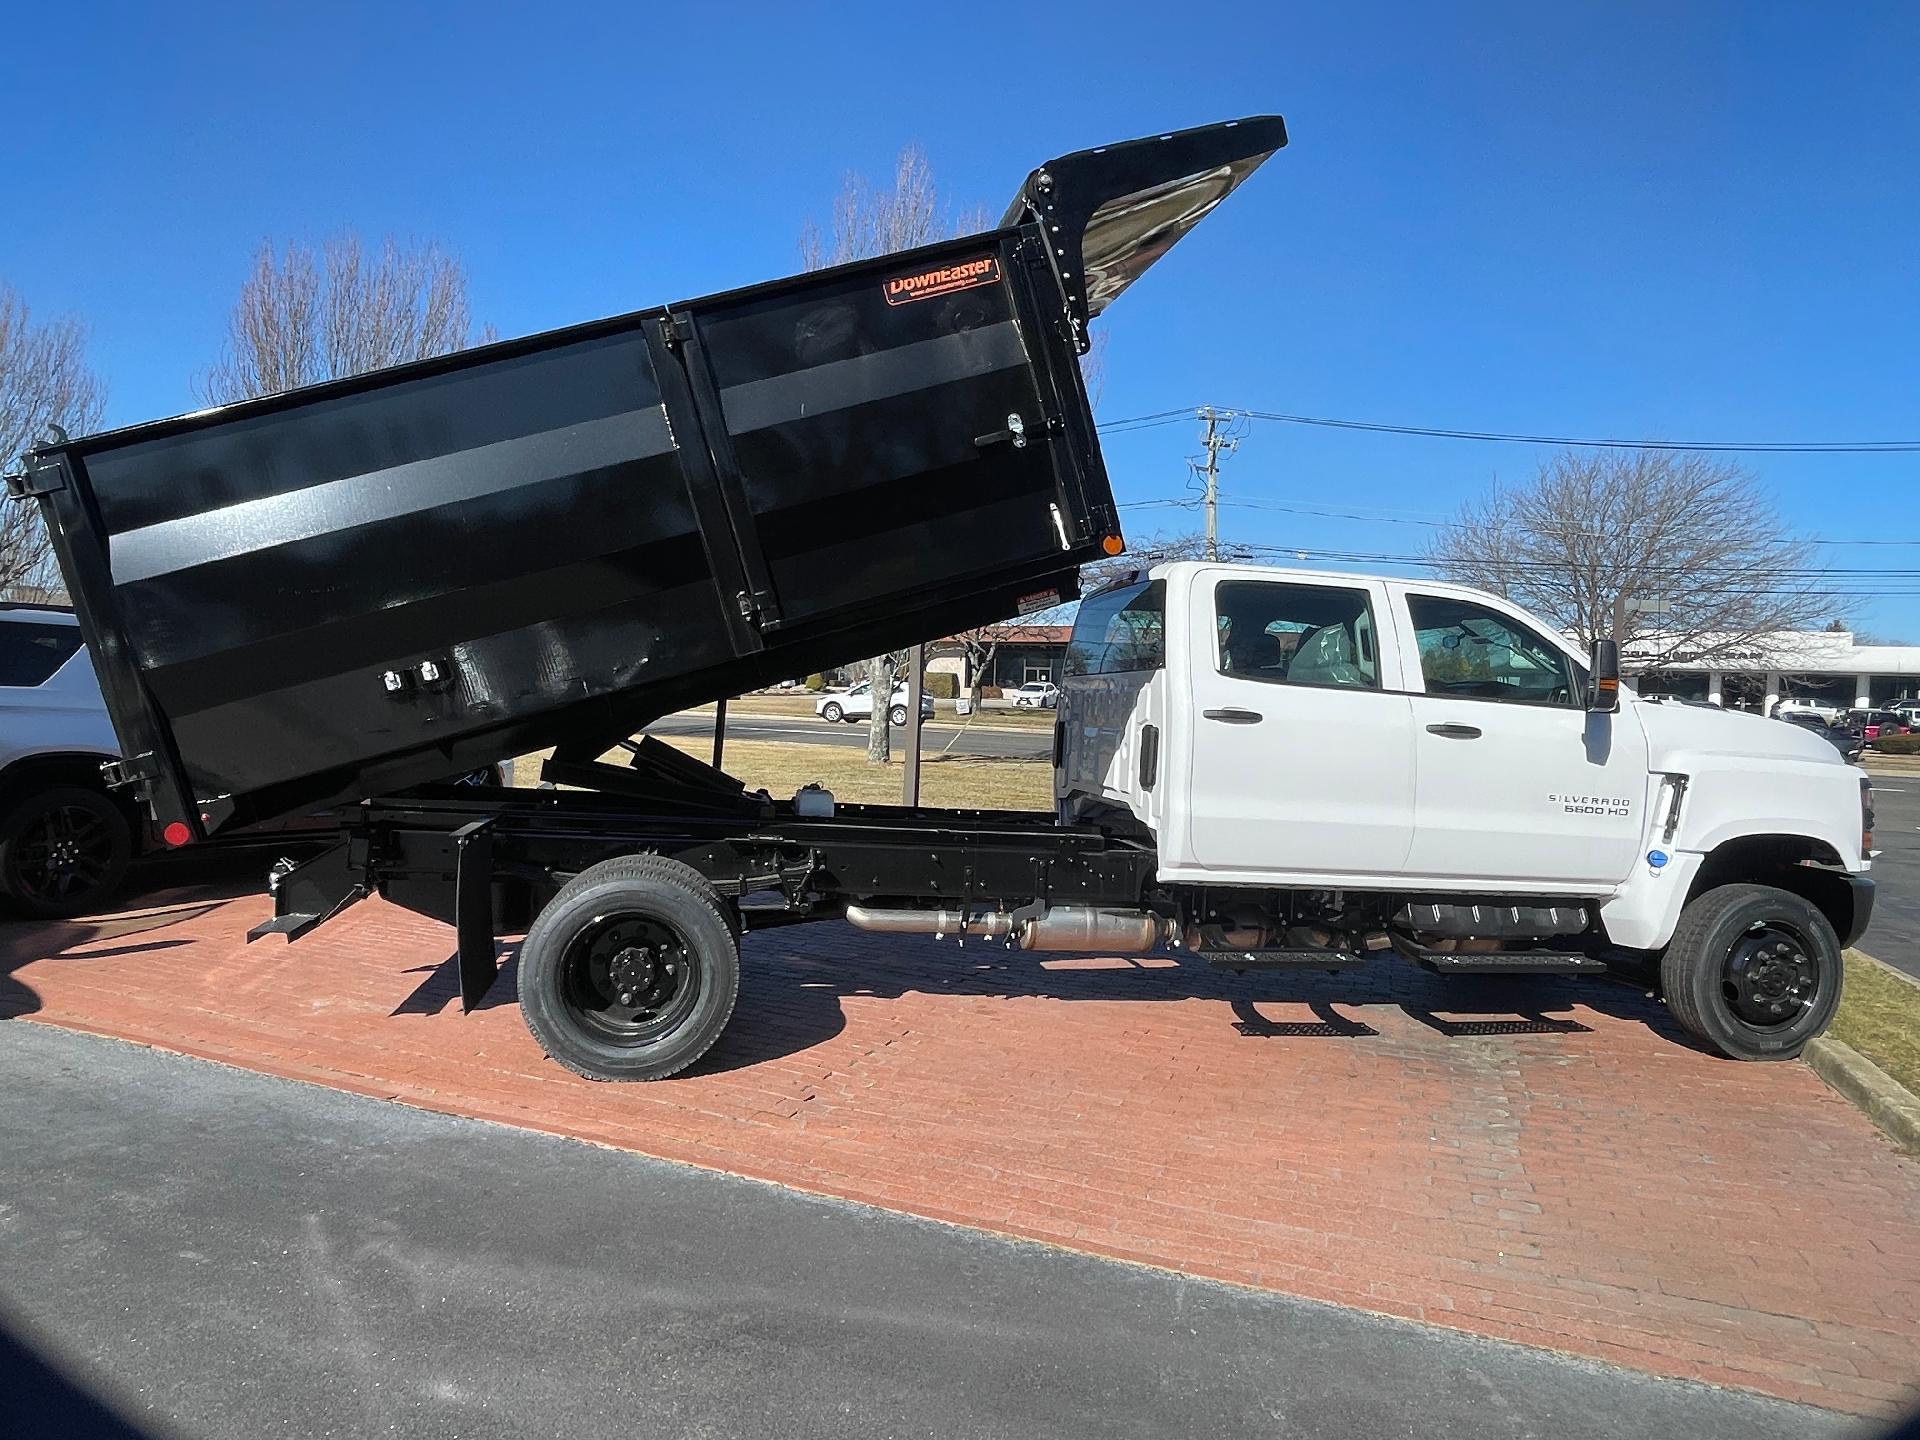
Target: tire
(1753, 971)
(831, 713)
(897, 715)
(64, 851)
(662, 924)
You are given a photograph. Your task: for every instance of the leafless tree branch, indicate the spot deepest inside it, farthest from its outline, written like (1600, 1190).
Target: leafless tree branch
(1688, 529)
(306, 314)
(44, 381)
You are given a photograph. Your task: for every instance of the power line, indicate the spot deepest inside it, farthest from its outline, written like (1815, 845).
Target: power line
(1751, 447)
(1435, 432)
(1377, 518)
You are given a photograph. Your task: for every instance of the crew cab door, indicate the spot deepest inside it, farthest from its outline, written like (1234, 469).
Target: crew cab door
(1302, 751)
(1518, 783)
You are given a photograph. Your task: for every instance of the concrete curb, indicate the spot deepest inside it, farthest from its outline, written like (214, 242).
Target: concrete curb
(1880, 1097)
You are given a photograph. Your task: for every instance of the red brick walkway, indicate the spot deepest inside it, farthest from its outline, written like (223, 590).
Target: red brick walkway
(1537, 1160)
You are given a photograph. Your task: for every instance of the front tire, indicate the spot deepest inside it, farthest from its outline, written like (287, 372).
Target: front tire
(64, 851)
(1753, 971)
(831, 713)
(631, 971)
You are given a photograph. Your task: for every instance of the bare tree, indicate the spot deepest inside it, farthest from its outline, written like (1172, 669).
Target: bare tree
(305, 315)
(979, 645)
(869, 220)
(44, 381)
(1686, 529)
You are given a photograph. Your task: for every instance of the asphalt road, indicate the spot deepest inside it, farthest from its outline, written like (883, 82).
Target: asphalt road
(1894, 935)
(219, 1254)
(1012, 744)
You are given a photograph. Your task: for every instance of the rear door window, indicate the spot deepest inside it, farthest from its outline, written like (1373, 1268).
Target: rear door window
(31, 651)
(1281, 633)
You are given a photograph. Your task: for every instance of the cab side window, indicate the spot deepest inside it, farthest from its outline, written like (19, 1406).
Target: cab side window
(1285, 634)
(1470, 652)
(1120, 630)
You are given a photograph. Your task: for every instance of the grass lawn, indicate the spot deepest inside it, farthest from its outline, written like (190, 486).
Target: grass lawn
(1880, 1017)
(957, 780)
(961, 781)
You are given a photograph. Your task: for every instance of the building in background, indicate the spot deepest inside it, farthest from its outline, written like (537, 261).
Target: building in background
(1008, 656)
(1825, 667)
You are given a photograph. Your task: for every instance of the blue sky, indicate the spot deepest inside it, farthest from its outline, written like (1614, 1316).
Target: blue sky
(1693, 221)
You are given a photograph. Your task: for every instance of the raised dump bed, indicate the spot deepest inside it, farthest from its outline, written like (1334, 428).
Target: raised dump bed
(358, 586)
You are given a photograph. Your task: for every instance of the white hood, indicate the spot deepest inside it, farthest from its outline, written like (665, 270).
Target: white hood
(1674, 730)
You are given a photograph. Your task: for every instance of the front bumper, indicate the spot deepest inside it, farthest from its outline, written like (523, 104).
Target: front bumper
(1863, 893)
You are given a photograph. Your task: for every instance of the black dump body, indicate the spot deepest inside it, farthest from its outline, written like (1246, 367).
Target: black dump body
(351, 588)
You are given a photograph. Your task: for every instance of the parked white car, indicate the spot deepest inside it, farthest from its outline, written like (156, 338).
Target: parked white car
(65, 840)
(1035, 695)
(1828, 713)
(857, 704)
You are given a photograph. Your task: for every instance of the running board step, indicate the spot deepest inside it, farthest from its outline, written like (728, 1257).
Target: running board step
(1527, 962)
(1282, 959)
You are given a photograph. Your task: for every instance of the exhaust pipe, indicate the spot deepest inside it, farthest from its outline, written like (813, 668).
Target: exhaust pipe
(994, 925)
(1064, 927)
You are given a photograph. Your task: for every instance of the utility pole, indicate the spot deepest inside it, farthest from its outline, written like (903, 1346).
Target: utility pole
(1215, 441)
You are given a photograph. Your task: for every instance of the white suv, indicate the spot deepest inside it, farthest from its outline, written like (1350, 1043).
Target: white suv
(857, 704)
(65, 840)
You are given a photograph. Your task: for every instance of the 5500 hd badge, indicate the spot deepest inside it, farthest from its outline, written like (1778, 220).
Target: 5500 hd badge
(927, 283)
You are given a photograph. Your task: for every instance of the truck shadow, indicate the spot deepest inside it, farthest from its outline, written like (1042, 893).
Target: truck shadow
(792, 995)
(162, 892)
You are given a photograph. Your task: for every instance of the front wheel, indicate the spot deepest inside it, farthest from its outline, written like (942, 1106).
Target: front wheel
(831, 713)
(631, 972)
(1753, 971)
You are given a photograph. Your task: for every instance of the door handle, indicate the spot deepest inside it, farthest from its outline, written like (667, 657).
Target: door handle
(1233, 715)
(1455, 732)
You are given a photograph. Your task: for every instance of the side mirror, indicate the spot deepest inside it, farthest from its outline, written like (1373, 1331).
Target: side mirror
(1604, 698)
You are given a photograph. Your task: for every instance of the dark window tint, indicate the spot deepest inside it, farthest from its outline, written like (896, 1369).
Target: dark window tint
(1119, 630)
(1469, 651)
(30, 653)
(1296, 634)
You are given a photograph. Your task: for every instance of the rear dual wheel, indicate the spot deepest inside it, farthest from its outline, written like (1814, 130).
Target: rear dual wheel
(631, 971)
(1753, 971)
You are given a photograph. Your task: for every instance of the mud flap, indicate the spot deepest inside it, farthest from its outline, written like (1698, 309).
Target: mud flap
(473, 911)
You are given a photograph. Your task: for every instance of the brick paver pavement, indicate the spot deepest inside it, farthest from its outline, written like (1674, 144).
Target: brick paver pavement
(1534, 1159)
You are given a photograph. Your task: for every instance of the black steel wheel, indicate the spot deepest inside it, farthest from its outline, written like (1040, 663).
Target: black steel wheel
(631, 972)
(1754, 971)
(64, 851)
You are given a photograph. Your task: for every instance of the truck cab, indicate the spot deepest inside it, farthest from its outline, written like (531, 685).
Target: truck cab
(1295, 729)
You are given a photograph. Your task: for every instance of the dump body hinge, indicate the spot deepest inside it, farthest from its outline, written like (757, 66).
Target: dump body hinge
(41, 477)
